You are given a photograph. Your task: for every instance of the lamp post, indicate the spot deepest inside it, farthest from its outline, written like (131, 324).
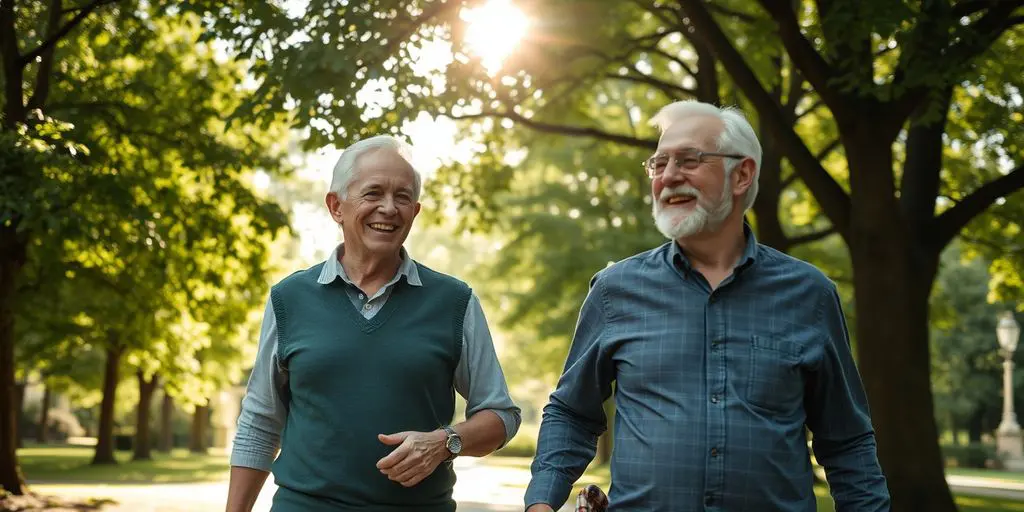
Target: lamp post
(1008, 435)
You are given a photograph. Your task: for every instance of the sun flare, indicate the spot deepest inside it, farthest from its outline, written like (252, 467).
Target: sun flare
(493, 31)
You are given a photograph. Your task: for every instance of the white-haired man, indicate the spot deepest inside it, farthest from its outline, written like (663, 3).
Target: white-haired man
(359, 359)
(722, 351)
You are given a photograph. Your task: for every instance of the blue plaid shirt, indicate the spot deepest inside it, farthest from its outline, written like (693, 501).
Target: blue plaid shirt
(713, 390)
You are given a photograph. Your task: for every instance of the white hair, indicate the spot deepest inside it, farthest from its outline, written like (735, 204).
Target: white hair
(737, 135)
(346, 168)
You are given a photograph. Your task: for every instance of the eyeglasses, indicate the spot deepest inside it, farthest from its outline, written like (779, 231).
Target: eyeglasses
(685, 160)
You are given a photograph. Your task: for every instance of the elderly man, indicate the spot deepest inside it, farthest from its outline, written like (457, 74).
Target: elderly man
(722, 351)
(359, 358)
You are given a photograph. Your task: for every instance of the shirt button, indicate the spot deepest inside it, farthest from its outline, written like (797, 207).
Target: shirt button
(714, 452)
(361, 296)
(714, 399)
(367, 306)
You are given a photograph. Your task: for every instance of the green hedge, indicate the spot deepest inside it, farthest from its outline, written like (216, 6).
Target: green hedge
(971, 455)
(520, 446)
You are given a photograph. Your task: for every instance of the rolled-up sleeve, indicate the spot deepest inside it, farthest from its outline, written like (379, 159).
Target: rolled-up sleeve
(478, 376)
(838, 417)
(263, 411)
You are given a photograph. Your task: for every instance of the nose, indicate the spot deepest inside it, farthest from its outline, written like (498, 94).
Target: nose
(673, 175)
(387, 206)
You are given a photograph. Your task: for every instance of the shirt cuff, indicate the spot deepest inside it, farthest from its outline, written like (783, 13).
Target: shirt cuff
(548, 487)
(511, 419)
(250, 459)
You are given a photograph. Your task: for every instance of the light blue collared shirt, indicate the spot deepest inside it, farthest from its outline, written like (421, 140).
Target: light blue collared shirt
(478, 376)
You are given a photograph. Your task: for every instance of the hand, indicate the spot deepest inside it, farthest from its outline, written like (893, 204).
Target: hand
(416, 457)
(540, 507)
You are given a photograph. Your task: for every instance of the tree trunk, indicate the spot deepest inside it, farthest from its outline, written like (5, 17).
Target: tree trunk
(766, 206)
(166, 440)
(44, 416)
(105, 435)
(197, 443)
(893, 278)
(976, 425)
(12, 252)
(19, 407)
(146, 389)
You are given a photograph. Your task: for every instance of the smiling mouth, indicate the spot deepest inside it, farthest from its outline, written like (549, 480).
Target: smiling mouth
(383, 228)
(674, 200)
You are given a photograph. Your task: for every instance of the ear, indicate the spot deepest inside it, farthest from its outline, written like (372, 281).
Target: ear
(743, 177)
(334, 207)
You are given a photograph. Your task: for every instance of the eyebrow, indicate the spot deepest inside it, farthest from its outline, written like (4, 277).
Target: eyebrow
(663, 152)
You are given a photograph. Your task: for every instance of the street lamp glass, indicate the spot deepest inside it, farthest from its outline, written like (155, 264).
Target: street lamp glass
(1008, 332)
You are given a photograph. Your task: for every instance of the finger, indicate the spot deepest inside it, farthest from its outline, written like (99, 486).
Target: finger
(393, 458)
(413, 476)
(411, 461)
(392, 439)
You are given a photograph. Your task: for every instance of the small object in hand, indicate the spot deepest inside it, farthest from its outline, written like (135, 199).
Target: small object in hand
(591, 499)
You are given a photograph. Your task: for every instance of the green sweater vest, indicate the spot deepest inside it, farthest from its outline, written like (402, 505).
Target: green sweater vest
(350, 379)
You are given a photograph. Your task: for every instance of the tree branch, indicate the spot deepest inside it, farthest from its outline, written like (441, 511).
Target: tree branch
(919, 185)
(686, 67)
(14, 106)
(742, 16)
(813, 236)
(789, 180)
(952, 221)
(828, 149)
(1000, 248)
(811, 108)
(572, 131)
(830, 195)
(671, 90)
(811, 64)
(42, 87)
(54, 38)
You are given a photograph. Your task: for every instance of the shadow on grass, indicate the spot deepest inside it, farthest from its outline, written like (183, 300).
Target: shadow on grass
(42, 502)
(71, 464)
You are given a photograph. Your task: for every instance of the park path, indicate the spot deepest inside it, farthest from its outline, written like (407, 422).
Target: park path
(480, 488)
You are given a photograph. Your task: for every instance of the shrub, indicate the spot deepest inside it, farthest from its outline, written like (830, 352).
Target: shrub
(971, 455)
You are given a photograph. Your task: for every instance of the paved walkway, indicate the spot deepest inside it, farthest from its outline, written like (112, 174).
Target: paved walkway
(481, 487)
(991, 487)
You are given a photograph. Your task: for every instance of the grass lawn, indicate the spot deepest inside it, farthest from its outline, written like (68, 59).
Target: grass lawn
(70, 464)
(1008, 476)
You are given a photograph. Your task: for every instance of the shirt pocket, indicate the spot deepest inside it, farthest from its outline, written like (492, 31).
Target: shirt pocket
(774, 381)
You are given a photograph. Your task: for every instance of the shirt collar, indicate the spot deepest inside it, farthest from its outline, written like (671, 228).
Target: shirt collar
(333, 269)
(748, 258)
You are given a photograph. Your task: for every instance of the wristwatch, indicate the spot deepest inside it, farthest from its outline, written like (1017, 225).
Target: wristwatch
(453, 443)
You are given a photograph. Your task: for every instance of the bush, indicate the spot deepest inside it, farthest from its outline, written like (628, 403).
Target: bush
(971, 455)
(520, 446)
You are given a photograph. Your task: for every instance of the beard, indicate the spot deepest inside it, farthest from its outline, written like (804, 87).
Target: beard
(676, 223)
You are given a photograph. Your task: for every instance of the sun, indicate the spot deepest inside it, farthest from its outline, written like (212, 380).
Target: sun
(493, 31)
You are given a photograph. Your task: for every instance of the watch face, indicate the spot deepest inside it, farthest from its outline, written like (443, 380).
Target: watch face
(454, 444)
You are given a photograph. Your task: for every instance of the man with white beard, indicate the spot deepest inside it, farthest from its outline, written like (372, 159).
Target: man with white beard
(721, 350)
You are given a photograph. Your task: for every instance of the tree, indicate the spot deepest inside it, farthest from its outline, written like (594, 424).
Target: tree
(149, 164)
(966, 361)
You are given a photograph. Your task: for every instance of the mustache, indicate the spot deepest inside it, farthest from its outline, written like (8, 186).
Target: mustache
(681, 190)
